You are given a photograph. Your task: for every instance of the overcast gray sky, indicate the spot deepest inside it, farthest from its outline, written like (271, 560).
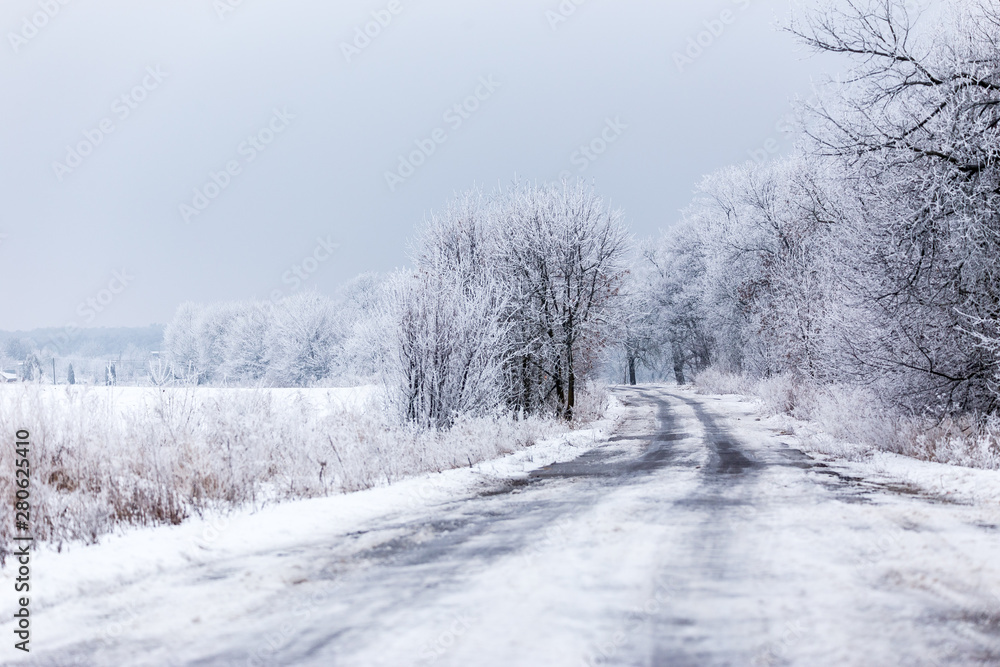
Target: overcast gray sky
(183, 85)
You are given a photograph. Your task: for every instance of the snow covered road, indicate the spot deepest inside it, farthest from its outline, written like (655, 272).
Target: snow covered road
(694, 535)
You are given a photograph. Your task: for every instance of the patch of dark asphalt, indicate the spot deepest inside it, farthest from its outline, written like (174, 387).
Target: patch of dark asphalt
(851, 489)
(610, 463)
(732, 460)
(506, 487)
(618, 464)
(458, 537)
(801, 465)
(840, 476)
(727, 456)
(657, 437)
(983, 626)
(604, 461)
(711, 501)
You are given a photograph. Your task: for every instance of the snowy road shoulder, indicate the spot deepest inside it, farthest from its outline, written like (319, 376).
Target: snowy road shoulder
(936, 480)
(924, 532)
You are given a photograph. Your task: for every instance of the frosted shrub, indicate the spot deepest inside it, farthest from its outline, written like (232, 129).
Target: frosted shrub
(967, 441)
(855, 414)
(714, 381)
(592, 402)
(779, 394)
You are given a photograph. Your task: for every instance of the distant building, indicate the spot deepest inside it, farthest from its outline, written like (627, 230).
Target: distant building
(7, 377)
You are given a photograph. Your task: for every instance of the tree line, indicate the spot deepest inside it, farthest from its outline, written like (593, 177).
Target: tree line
(868, 257)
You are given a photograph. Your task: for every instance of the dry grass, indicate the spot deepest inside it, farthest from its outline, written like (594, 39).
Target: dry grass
(98, 464)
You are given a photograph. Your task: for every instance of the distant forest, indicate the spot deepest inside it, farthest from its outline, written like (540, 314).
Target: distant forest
(110, 342)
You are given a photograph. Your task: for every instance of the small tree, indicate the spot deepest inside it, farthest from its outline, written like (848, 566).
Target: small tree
(562, 253)
(514, 298)
(32, 368)
(70, 375)
(445, 347)
(160, 372)
(304, 340)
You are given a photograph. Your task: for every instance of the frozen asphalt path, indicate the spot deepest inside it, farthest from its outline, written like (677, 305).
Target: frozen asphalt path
(692, 536)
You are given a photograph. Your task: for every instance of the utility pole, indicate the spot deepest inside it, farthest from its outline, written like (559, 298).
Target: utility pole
(53, 370)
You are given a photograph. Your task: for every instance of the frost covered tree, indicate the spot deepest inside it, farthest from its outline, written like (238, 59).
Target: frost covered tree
(638, 332)
(764, 278)
(303, 340)
(358, 306)
(245, 353)
(562, 252)
(180, 340)
(17, 348)
(444, 341)
(447, 324)
(679, 306)
(32, 368)
(213, 333)
(294, 342)
(638, 322)
(539, 267)
(916, 131)
(743, 281)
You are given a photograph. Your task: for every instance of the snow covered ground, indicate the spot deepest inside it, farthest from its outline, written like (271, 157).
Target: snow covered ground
(106, 458)
(686, 530)
(121, 400)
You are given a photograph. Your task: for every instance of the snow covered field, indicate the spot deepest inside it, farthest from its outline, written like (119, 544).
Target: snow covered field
(688, 530)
